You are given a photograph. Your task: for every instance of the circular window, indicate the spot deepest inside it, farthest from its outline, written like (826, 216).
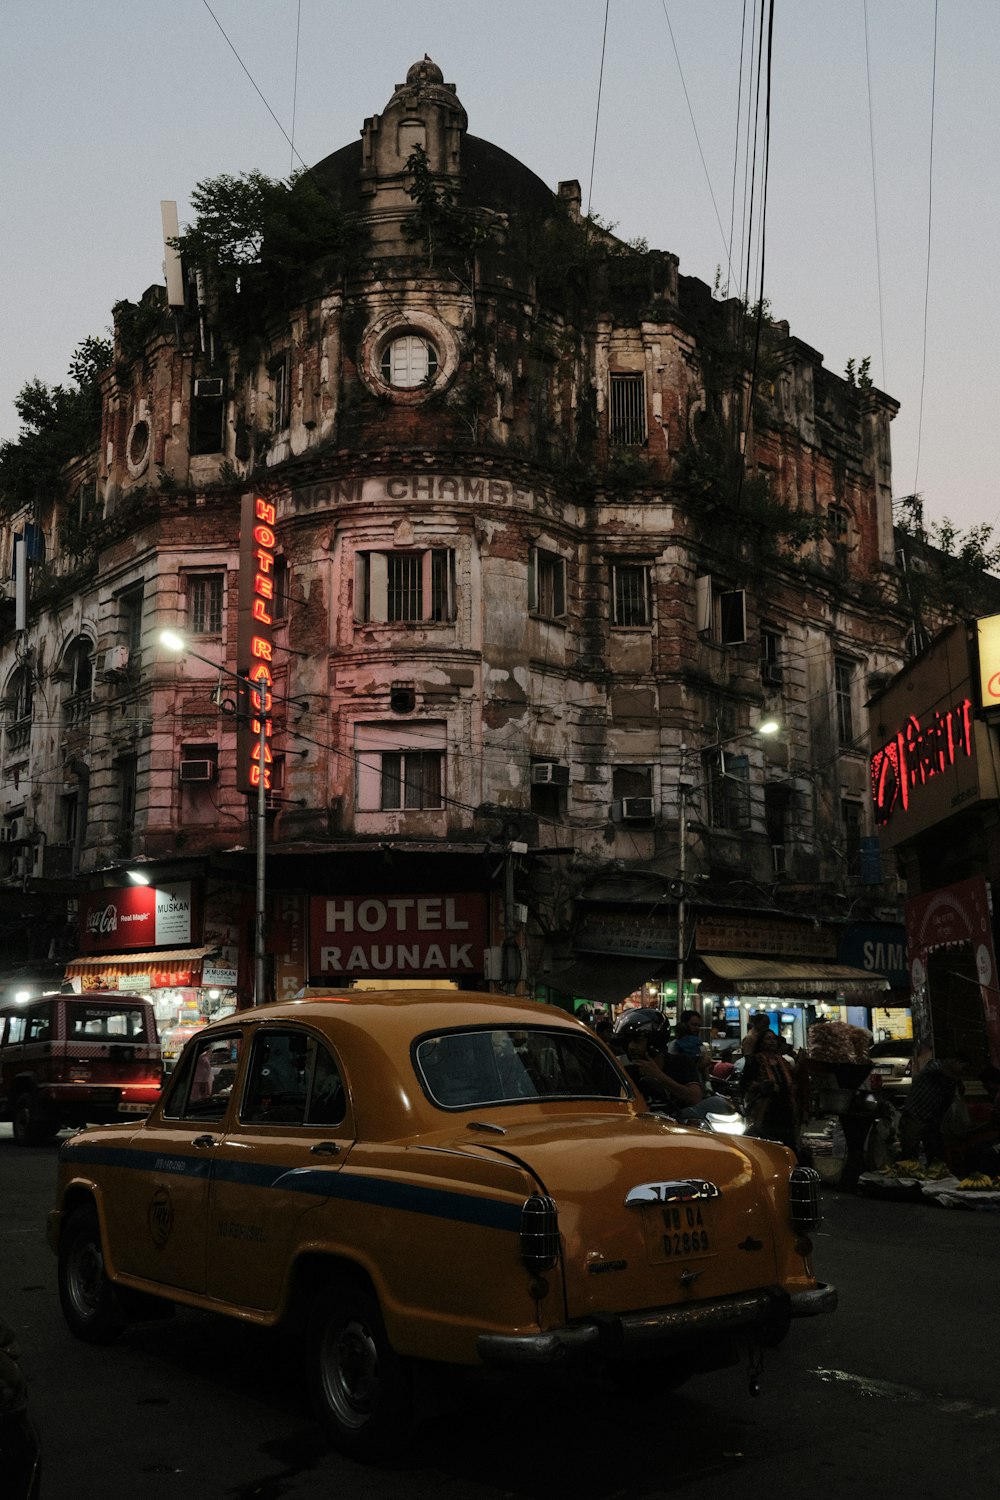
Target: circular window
(408, 354)
(137, 449)
(409, 361)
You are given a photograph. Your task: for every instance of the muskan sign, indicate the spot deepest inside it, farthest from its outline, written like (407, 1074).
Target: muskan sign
(396, 936)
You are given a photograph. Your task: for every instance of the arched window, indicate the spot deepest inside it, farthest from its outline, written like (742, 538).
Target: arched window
(79, 670)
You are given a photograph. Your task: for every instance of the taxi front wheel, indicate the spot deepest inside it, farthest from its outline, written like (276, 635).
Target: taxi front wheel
(90, 1304)
(363, 1390)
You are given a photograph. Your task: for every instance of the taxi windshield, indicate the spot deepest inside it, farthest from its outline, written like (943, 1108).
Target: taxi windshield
(501, 1065)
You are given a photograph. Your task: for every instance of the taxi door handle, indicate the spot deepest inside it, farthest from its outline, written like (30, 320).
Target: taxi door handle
(203, 1140)
(325, 1148)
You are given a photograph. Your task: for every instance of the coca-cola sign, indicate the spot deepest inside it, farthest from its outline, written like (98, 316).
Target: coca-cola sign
(123, 918)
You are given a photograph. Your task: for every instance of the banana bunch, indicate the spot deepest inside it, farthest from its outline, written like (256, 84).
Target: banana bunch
(978, 1182)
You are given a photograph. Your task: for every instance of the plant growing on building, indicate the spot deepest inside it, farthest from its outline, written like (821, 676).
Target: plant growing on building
(58, 423)
(945, 571)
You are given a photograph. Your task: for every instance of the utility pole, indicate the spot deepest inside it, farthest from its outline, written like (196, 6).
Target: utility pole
(682, 793)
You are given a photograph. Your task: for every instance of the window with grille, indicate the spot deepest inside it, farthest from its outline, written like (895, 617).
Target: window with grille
(627, 418)
(205, 601)
(728, 785)
(409, 361)
(399, 768)
(630, 594)
(843, 692)
(397, 587)
(631, 781)
(838, 522)
(547, 583)
(208, 402)
(850, 822)
(410, 778)
(127, 769)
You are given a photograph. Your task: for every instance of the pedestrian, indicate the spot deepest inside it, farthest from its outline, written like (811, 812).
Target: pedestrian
(931, 1095)
(770, 1093)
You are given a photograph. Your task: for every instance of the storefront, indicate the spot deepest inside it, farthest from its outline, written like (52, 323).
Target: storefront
(130, 939)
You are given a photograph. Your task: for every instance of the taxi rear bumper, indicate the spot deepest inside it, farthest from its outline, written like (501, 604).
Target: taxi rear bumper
(763, 1314)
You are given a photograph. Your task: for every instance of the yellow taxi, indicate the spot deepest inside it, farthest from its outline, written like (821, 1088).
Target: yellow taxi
(428, 1175)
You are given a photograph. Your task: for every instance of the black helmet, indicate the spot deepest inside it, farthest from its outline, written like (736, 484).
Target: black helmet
(647, 1020)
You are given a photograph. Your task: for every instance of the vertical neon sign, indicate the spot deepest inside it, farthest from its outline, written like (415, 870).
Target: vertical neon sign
(255, 642)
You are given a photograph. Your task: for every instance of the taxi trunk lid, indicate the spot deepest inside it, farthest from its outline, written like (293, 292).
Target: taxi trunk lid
(649, 1215)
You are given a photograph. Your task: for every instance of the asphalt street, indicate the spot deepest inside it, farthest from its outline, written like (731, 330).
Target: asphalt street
(896, 1395)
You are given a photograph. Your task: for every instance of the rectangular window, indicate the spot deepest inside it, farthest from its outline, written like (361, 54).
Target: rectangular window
(205, 603)
(771, 673)
(631, 781)
(728, 784)
(850, 822)
(410, 778)
(630, 595)
(277, 374)
(68, 807)
(547, 584)
(281, 576)
(208, 400)
(130, 621)
(126, 768)
(404, 587)
(720, 613)
(627, 420)
(399, 767)
(843, 692)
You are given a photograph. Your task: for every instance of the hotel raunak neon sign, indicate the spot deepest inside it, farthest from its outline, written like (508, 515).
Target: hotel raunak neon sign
(917, 753)
(255, 641)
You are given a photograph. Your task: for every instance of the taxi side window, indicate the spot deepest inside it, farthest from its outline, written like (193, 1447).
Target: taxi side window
(293, 1080)
(201, 1087)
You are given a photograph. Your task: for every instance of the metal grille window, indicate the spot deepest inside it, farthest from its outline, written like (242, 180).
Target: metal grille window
(843, 692)
(397, 587)
(770, 658)
(850, 821)
(547, 584)
(410, 778)
(206, 604)
(627, 423)
(631, 594)
(409, 361)
(728, 784)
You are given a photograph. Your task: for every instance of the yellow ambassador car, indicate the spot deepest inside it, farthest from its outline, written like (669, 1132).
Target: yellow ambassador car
(432, 1175)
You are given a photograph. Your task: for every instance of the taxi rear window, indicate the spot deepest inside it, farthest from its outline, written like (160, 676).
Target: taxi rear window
(500, 1065)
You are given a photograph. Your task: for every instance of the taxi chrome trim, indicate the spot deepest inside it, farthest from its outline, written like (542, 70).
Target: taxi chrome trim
(638, 1331)
(680, 1190)
(822, 1298)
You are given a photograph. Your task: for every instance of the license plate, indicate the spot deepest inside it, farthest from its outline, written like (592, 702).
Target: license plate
(134, 1109)
(884, 1070)
(678, 1231)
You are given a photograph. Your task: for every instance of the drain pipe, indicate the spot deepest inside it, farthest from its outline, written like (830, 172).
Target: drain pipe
(81, 771)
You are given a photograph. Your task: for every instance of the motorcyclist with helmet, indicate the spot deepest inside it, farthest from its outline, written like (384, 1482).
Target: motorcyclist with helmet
(668, 1081)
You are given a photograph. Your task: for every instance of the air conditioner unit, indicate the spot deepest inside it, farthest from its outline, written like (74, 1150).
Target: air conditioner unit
(549, 773)
(116, 659)
(198, 770)
(771, 673)
(637, 809)
(19, 864)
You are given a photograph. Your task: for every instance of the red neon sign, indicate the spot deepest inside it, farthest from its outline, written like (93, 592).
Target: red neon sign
(255, 650)
(916, 754)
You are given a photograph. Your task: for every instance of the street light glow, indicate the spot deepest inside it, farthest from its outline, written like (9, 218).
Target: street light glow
(769, 726)
(172, 640)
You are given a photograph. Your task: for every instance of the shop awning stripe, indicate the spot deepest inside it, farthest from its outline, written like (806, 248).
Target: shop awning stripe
(762, 976)
(136, 963)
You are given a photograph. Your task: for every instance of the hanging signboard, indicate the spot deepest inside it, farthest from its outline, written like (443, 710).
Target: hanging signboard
(255, 642)
(122, 918)
(401, 936)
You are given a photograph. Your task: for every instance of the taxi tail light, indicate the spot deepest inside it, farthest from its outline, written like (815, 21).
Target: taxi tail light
(539, 1233)
(803, 1199)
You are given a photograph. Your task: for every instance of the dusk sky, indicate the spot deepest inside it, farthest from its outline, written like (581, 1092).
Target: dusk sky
(112, 105)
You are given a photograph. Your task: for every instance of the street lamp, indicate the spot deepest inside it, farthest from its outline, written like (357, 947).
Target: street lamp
(175, 642)
(766, 727)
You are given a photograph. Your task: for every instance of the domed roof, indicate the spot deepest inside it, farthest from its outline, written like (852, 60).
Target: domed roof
(489, 176)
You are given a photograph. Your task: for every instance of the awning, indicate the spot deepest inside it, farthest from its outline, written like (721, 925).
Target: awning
(173, 967)
(605, 977)
(792, 978)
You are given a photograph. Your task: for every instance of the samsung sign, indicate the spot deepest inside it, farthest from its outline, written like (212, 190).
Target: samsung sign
(878, 948)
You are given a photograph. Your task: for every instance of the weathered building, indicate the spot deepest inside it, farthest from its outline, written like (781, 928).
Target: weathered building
(556, 529)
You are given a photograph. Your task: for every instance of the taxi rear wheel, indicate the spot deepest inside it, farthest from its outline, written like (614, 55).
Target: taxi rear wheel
(362, 1389)
(89, 1301)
